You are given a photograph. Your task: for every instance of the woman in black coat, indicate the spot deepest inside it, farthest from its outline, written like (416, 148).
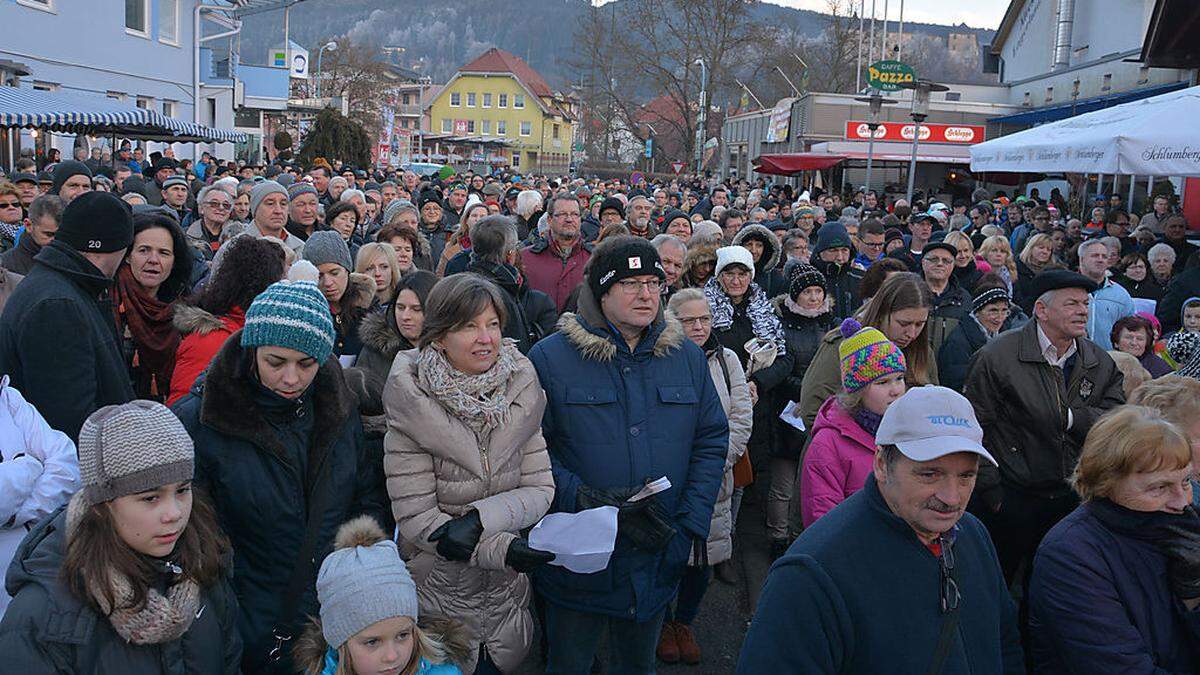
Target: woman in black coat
(989, 312)
(1134, 275)
(279, 447)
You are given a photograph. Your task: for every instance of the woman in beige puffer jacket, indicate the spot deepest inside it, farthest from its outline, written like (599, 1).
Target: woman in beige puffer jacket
(464, 453)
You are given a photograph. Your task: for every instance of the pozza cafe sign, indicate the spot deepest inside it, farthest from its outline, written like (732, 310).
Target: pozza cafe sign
(959, 134)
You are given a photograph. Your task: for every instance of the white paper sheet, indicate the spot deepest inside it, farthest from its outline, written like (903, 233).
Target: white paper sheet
(582, 542)
(347, 360)
(791, 415)
(652, 488)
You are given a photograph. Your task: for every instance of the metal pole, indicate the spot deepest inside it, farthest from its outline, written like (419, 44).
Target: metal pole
(700, 131)
(862, 6)
(320, 53)
(1132, 185)
(871, 49)
(870, 154)
(420, 116)
(900, 33)
(785, 78)
(912, 162)
(883, 40)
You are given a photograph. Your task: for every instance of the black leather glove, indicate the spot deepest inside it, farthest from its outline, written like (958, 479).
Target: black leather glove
(456, 539)
(524, 559)
(1181, 544)
(648, 528)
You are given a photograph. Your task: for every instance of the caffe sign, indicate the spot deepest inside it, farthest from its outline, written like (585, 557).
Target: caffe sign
(890, 75)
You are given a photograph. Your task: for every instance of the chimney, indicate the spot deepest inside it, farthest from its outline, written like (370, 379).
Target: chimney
(1062, 35)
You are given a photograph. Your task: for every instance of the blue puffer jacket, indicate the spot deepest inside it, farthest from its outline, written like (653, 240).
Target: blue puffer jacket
(1100, 602)
(617, 419)
(1110, 303)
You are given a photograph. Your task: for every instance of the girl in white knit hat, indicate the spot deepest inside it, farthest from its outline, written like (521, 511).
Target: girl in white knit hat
(368, 621)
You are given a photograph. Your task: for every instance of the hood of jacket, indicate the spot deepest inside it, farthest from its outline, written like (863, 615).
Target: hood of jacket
(773, 251)
(190, 319)
(587, 329)
(504, 276)
(229, 401)
(831, 415)
(360, 292)
(376, 332)
(698, 255)
(62, 258)
(451, 635)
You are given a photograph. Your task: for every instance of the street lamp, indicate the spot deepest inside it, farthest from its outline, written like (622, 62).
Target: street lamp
(331, 46)
(920, 110)
(876, 101)
(703, 109)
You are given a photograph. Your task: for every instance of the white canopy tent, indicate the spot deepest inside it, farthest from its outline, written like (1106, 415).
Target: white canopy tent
(1158, 136)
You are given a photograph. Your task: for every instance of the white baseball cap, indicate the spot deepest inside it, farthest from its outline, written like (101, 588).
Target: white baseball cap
(931, 422)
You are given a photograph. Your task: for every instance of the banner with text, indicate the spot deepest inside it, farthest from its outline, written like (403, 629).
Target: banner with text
(958, 134)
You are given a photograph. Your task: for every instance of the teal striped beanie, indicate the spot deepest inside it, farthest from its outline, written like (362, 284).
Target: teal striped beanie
(290, 314)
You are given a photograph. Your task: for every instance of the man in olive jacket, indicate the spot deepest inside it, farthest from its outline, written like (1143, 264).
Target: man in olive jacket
(1037, 392)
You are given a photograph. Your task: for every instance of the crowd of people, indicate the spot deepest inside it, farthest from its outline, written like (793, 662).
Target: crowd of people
(327, 404)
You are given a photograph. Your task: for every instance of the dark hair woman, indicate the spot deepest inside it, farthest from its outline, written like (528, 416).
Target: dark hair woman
(900, 310)
(280, 449)
(1133, 273)
(120, 579)
(465, 409)
(242, 268)
(156, 272)
(1134, 335)
(343, 218)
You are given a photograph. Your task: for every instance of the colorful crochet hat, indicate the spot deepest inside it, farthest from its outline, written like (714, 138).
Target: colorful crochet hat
(866, 355)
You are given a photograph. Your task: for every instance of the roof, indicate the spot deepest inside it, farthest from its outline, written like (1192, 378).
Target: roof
(499, 61)
(1168, 42)
(1006, 24)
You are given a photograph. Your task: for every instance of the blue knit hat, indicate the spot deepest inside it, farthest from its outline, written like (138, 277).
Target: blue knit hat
(291, 314)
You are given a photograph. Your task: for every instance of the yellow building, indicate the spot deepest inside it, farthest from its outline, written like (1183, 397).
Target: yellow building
(499, 96)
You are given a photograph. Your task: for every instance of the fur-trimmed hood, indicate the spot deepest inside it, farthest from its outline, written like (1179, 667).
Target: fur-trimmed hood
(378, 334)
(449, 634)
(587, 330)
(360, 291)
(190, 319)
(698, 255)
(773, 250)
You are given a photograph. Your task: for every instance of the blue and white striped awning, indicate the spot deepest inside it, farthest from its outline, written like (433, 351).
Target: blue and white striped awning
(72, 112)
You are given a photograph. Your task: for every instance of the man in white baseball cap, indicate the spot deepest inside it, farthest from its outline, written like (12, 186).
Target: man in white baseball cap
(941, 604)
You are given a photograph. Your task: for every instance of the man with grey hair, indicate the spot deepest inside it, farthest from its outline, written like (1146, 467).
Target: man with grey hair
(1110, 301)
(637, 213)
(213, 208)
(1037, 392)
(672, 251)
(531, 313)
(45, 213)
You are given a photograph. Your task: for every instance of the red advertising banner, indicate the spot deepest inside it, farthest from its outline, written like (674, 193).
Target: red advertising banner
(958, 134)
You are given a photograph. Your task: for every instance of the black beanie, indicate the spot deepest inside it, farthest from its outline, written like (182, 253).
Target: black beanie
(96, 222)
(612, 204)
(65, 170)
(620, 258)
(802, 276)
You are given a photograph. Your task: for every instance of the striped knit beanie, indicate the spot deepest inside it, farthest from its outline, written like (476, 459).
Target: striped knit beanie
(290, 314)
(130, 448)
(866, 355)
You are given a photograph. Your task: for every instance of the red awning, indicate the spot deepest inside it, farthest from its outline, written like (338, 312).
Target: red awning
(793, 163)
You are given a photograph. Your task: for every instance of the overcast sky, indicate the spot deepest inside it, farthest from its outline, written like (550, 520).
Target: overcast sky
(974, 13)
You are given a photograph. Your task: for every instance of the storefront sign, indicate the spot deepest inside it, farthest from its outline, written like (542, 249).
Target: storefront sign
(958, 134)
(781, 117)
(890, 75)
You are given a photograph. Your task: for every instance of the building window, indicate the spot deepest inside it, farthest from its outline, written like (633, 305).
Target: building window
(447, 126)
(455, 99)
(44, 86)
(555, 131)
(516, 160)
(486, 127)
(502, 101)
(1049, 94)
(168, 108)
(487, 100)
(44, 5)
(471, 100)
(405, 100)
(137, 17)
(168, 22)
(501, 127)
(526, 128)
(145, 103)
(470, 126)
(1107, 85)
(518, 101)
(115, 95)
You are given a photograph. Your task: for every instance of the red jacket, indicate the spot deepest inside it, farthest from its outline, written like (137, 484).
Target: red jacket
(203, 335)
(550, 273)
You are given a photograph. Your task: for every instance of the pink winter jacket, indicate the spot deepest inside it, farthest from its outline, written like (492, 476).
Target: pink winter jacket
(837, 463)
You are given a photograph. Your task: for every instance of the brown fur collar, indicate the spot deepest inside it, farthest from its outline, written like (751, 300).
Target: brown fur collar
(360, 291)
(376, 333)
(189, 319)
(228, 403)
(450, 635)
(582, 330)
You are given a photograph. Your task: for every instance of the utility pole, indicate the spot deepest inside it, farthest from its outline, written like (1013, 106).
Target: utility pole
(700, 131)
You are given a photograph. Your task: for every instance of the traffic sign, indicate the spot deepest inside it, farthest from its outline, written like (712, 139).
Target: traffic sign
(649, 148)
(677, 167)
(890, 75)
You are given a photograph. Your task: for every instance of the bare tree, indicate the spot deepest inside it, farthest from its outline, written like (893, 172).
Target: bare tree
(356, 71)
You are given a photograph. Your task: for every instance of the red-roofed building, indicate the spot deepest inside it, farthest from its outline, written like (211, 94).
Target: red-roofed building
(499, 96)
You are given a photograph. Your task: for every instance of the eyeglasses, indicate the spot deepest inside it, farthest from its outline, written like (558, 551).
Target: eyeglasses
(950, 595)
(939, 261)
(994, 312)
(10, 205)
(223, 206)
(633, 286)
(696, 320)
(872, 244)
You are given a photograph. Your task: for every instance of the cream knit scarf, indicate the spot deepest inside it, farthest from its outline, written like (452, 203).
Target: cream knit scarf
(478, 400)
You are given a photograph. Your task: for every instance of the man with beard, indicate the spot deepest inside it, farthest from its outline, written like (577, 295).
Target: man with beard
(456, 199)
(638, 210)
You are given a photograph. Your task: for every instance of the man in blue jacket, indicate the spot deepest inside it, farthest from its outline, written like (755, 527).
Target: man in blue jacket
(898, 578)
(629, 400)
(1110, 301)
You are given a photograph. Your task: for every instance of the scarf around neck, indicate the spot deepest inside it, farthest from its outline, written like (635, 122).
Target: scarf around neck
(763, 321)
(154, 336)
(866, 419)
(1150, 526)
(477, 400)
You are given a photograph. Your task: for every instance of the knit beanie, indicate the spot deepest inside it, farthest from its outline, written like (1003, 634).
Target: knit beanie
(614, 204)
(290, 314)
(389, 213)
(733, 255)
(64, 170)
(620, 258)
(985, 298)
(801, 277)
(327, 246)
(260, 192)
(670, 215)
(866, 355)
(832, 235)
(363, 581)
(130, 448)
(96, 222)
(174, 180)
(302, 189)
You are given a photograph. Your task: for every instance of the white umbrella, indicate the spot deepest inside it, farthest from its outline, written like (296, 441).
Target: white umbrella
(1157, 136)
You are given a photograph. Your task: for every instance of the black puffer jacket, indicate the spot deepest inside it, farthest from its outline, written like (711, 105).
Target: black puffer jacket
(955, 355)
(531, 313)
(842, 283)
(58, 340)
(803, 335)
(264, 461)
(949, 308)
(48, 630)
(767, 274)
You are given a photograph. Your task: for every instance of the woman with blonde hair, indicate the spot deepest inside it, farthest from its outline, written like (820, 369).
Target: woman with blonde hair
(967, 268)
(996, 252)
(1116, 583)
(1035, 258)
(378, 261)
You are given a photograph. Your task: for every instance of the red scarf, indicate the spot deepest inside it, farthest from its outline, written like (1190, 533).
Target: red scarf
(148, 322)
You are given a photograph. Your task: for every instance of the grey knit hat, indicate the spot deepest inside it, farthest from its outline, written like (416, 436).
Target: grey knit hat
(260, 192)
(130, 448)
(327, 246)
(389, 213)
(362, 582)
